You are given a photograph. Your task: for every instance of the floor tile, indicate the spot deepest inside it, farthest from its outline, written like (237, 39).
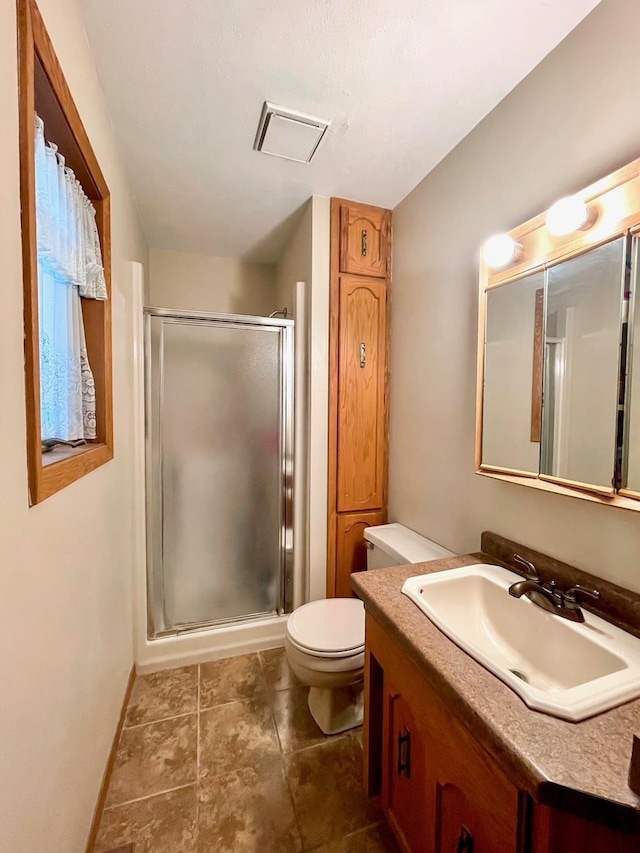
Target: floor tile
(154, 758)
(163, 694)
(241, 734)
(328, 796)
(231, 679)
(296, 727)
(276, 670)
(375, 839)
(248, 810)
(162, 824)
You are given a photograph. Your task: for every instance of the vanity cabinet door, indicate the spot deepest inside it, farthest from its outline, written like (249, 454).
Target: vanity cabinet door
(364, 240)
(476, 807)
(463, 825)
(404, 775)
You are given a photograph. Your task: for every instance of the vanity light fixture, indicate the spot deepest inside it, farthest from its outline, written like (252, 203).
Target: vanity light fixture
(501, 250)
(569, 214)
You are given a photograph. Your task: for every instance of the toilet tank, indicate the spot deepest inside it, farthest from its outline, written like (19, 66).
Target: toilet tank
(395, 545)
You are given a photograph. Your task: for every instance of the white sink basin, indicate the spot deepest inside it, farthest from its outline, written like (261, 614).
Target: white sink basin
(571, 670)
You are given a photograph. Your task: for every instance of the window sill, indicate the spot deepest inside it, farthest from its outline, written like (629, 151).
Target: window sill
(68, 465)
(63, 451)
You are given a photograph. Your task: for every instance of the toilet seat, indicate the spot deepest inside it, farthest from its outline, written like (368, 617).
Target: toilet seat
(329, 628)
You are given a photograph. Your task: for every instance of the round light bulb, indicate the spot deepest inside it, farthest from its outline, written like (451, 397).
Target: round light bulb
(567, 215)
(500, 250)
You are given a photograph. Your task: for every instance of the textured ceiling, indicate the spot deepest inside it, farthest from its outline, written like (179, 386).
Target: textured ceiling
(402, 81)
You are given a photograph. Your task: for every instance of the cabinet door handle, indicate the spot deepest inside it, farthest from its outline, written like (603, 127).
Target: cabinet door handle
(465, 841)
(404, 752)
(363, 354)
(364, 242)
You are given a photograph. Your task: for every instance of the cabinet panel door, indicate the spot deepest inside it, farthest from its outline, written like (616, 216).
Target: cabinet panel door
(474, 812)
(404, 784)
(364, 240)
(361, 394)
(352, 547)
(556, 831)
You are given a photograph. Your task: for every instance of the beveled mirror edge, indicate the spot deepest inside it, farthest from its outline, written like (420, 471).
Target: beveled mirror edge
(618, 192)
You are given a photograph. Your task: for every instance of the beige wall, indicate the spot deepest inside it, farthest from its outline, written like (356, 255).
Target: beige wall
(66, 564)
(206, 283)
(571, 121)
(306, 258)
(295, 262)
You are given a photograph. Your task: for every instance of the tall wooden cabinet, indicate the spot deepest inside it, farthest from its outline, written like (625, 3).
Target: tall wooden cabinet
(358, 370)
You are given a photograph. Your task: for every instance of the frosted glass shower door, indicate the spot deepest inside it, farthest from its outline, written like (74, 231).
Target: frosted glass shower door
(218, 423)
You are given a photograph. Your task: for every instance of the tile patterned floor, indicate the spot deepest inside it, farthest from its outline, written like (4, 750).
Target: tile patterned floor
(225, 758)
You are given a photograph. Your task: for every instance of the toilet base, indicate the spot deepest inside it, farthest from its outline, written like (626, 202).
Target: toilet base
(337, 709)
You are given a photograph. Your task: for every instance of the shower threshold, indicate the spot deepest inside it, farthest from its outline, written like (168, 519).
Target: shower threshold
(193, 627)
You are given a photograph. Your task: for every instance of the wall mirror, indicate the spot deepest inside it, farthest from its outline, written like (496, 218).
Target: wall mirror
(631, 454)
(583, 327)
(512, 388)
(558, 389)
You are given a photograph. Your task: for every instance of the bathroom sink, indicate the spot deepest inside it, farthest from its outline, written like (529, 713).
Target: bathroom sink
(570, 670)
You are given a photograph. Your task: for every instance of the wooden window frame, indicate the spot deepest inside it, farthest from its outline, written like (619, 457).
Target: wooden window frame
(42, 87)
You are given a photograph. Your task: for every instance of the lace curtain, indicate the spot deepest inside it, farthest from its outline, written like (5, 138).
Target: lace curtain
(69, 266)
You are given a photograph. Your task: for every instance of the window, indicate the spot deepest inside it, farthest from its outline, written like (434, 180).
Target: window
(69, 267)
(66, 269)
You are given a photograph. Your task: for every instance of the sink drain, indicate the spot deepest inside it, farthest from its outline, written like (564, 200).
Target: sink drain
(520, 674)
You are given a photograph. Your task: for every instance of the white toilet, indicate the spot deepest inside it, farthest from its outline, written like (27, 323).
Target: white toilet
(324, 639)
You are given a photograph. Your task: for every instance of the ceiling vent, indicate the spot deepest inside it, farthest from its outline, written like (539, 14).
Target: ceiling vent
(289, 133)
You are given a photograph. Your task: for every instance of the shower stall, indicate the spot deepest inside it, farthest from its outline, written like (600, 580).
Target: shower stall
(219, 469)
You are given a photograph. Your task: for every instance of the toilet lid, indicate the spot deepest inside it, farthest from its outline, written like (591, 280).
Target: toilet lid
(329, 625)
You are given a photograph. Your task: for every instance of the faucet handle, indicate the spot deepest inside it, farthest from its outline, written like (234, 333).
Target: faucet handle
(574, 595)
(530, 570)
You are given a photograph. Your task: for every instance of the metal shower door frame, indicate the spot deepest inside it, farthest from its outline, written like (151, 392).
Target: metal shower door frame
(156, 616)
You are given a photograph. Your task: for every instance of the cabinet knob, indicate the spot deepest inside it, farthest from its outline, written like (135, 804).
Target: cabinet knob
(364, 242)
(363, 355)
(404, 752)
(465, 841)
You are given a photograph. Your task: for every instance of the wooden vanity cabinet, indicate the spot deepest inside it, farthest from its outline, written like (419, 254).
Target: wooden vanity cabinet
(358, 389)
(441, 790)
(442, 793)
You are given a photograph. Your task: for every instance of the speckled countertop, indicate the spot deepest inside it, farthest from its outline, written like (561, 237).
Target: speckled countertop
(572, 765)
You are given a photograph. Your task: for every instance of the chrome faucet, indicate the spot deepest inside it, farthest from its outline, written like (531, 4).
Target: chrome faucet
(546, 595)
